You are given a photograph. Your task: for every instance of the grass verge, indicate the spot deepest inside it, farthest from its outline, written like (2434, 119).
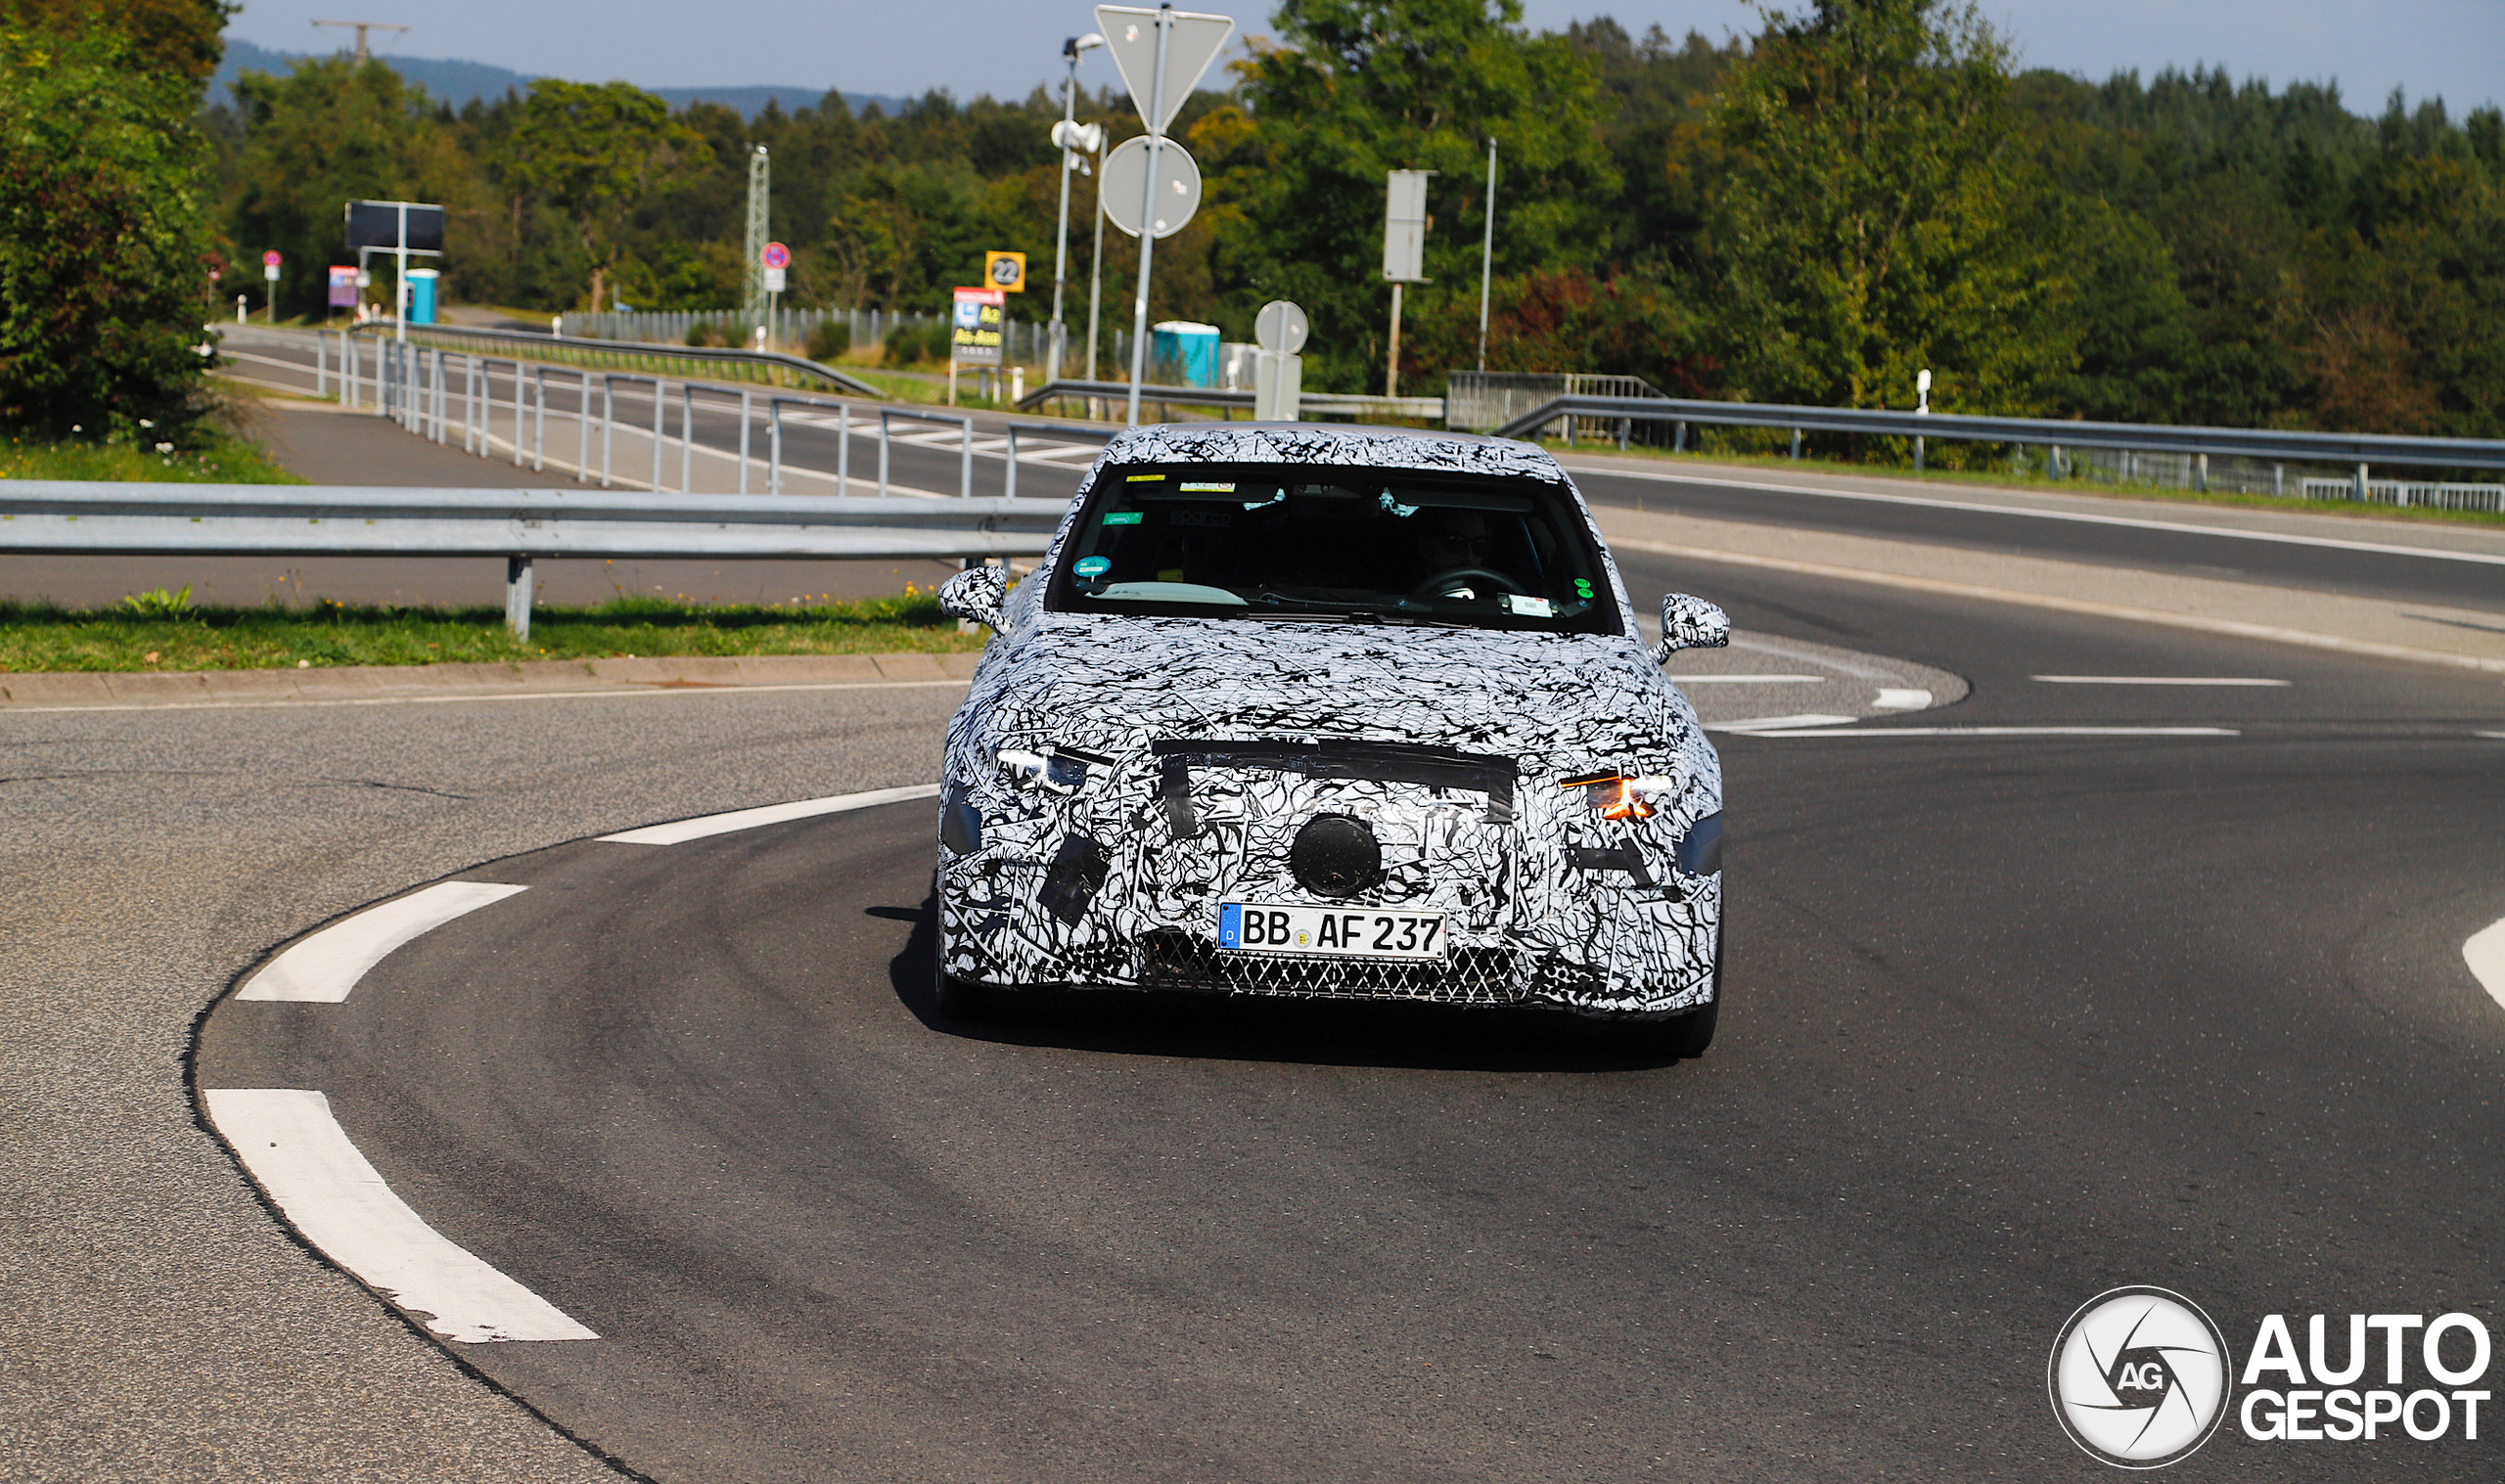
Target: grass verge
(2000, 478)
(161, 631)
(221, 459)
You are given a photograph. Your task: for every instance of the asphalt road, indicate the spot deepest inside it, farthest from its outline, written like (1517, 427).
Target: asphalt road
(2209, 542)
(2012, 1020)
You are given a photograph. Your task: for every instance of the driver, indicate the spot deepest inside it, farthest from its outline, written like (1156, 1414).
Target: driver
(1453, 544)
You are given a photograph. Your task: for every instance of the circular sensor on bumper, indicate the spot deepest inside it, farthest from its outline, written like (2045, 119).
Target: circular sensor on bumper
(1336, 856)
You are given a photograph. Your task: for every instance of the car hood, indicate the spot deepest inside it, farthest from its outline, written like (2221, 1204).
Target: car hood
(1112, 685)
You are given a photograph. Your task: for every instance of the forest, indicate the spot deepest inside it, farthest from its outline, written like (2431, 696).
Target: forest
(1861, 189)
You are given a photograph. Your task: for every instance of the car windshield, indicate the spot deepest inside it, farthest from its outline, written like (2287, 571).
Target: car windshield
(1294, 541)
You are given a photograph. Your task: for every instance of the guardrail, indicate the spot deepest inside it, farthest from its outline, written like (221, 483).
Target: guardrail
(1328, 403)
(2360, 450)
(576, 351)
(80, 517)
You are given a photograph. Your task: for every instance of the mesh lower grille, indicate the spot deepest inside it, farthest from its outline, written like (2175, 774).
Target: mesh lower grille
(1470, 976)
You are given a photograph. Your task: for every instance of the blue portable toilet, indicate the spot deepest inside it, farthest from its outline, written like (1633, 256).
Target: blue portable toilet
(1190, 349)
(422, 295)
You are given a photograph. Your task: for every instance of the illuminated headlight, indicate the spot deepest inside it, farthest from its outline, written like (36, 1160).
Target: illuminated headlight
(1622, 795)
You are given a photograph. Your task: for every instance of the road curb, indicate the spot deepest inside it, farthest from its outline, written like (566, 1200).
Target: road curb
(126, 689)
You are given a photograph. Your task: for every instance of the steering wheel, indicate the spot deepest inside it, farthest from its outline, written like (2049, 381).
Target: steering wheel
(1434, 586)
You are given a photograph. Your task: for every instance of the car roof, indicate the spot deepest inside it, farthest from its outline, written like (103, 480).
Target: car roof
(1329, 444)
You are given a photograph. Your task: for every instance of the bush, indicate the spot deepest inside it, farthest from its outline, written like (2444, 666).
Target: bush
(705, 333)
(907, 344)
(104, 255)
(830, 339)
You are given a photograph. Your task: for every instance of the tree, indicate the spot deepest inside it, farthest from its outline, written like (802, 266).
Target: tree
(104, 255)
(330, 132)
(1876, 212)
(592, 151)
(167, 38)
(1356, 88)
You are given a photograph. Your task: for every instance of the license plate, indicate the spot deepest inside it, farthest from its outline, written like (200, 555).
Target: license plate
(1330, 933)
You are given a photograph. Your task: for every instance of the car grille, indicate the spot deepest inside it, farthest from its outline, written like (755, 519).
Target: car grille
(1470, 976)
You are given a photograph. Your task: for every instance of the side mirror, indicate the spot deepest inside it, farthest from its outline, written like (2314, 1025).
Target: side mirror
(1687, 623)
(976, 595)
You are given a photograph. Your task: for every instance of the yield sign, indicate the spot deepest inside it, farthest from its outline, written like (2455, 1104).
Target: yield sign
(1193, 43)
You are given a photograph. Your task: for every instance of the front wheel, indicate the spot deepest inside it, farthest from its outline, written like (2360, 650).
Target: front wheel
(962, 1000)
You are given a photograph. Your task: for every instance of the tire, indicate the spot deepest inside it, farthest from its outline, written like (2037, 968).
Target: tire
(962, 1000)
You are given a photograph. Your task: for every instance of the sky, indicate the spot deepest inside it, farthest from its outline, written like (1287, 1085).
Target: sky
(2446, 48)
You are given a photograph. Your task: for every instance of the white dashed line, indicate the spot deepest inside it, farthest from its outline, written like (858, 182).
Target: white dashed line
(2157, 680)
(2485, 955)
(1762, 731)
(770, 814)
(324, 968)
(1901, 701)
(1759, 723)
(301, 1156)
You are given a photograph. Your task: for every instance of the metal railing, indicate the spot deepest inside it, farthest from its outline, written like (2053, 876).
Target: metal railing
(2360, 450)
(771, 367)
(1478, 401)
(86, 518)
(1323, 403)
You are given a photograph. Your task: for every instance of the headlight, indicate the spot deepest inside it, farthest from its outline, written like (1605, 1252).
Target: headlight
(1622, 795)
(1055, 770)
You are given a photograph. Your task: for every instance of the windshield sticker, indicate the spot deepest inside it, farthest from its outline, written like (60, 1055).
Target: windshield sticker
(1092, 566)
(1522, 605)
(1404, 512)
(1122, 518)
(1227, 489)
(1144, 479)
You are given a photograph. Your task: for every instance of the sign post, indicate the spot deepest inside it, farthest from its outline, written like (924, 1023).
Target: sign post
(405, 229)
(1278, 370)
(1404, 253)
(1162, 54)
(270, 262)
(776, 261)
(974, 331)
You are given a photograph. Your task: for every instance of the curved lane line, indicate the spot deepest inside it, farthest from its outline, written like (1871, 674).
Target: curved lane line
(2485, 955)
(299, 1155)
(1987, 732)
(2197, 622)
(2079, 517)
(324, 968)
(770, 814)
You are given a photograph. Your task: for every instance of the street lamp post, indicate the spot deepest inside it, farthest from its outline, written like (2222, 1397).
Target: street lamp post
(1487, 254)
(1096, 259)
(1071, 138)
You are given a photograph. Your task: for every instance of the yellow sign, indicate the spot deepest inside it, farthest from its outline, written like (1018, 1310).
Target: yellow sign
(1005, 271)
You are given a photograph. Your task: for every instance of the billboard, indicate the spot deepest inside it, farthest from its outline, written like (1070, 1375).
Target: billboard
(342, 288)
(377, 224)
(973, 337)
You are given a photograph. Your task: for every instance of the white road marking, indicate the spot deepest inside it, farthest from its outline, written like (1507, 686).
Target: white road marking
(1996, 732)
(2184, 528)
(770, 814)
(2485, 955)
(322, 969)
(1754, 722)
(2491, 665)
(2493, 734)
(1888, 700)
(1746, 680)
(299, 1155)
(2156, 679)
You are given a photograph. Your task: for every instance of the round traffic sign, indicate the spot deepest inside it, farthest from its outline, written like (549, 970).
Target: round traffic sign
(1125, 175)
(1280, 328)
(270, 259)
(775, 255)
